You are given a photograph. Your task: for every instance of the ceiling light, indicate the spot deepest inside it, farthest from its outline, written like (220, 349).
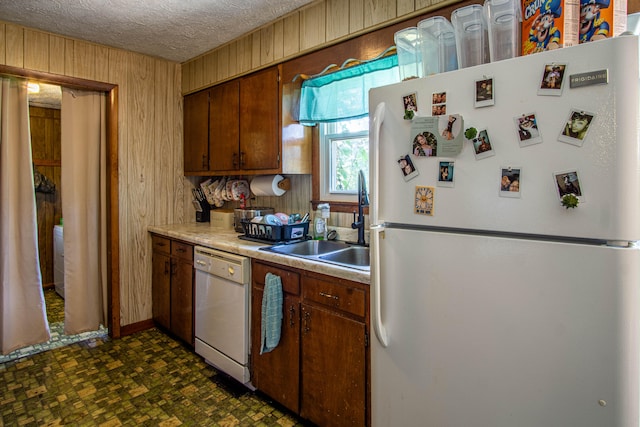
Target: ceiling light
(33, 88)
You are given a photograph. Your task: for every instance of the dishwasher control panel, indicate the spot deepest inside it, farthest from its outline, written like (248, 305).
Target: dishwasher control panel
(228, 266)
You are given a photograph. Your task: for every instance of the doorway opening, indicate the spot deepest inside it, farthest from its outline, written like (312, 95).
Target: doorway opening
(112, 251)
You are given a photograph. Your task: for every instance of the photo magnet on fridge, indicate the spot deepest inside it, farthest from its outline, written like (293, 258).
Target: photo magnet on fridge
(446, 174)
(510, 178)
(482, 146)
(423, 201)
(424, 144)
(439, 103)
(568, 182)
(528, 132)
(409, 171)
(484, 92)
(410, 102)
(576, 127)
(437, 136)
(552, 79)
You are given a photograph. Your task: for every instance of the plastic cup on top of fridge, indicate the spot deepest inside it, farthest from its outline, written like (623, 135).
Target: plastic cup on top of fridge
(471, 35)
(409, 53)
(503, 25)
(438, 43)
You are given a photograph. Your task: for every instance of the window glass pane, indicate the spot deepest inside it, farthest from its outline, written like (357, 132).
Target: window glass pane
(344, 151)
(348, 156)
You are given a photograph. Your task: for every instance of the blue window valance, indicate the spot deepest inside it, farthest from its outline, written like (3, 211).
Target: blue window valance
(344, 94)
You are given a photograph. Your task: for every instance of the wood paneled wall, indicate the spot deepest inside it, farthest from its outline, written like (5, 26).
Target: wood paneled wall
(150, 170)
(319, 24)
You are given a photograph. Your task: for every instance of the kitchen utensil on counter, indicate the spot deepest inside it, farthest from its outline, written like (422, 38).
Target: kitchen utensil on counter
(283, 217)
(222, 219)
(248, 214)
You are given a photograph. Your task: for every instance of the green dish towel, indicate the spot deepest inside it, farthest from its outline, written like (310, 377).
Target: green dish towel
(271, 313)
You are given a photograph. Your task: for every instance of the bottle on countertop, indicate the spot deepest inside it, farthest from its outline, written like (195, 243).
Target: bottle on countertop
(320, 221)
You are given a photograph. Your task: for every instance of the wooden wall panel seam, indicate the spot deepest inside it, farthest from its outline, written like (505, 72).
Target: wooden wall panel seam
(306, 30)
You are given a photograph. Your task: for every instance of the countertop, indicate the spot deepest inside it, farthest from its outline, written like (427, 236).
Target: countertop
(204, 234)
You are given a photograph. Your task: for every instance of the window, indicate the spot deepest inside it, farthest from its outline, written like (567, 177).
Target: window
(344, 150)
(338, 102)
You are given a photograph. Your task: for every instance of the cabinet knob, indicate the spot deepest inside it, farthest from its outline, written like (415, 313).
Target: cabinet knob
(242, 159)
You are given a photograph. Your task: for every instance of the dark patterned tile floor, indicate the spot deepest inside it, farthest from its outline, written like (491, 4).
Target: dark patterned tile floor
(55, 315)
(145, 379)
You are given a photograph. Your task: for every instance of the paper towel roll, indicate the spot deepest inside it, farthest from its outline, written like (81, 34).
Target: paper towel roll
(267, 185)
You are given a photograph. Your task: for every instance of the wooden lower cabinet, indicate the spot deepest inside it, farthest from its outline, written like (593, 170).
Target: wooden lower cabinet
(320, 368)
(333, 368)
(172, 287)
(161, 288)
(277, 373)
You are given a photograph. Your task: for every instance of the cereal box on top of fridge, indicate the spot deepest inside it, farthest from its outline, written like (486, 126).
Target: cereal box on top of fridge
(600, 19)
(549, 24)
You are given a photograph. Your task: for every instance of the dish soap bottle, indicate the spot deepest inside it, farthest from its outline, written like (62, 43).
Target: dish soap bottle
(320, 222)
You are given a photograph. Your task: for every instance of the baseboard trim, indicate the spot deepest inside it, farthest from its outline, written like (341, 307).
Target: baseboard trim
(136, 327)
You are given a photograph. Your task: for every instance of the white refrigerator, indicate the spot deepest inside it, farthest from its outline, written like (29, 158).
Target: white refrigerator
(499, 308)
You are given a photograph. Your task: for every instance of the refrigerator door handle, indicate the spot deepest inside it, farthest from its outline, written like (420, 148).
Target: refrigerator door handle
(376, 232)
(374, 169)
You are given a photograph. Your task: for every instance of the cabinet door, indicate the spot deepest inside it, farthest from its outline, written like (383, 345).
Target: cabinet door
(276, 373)
(333, 368)
(161, 289)
(223, 127)
(196, 132)
(259, 120)
(182, 300)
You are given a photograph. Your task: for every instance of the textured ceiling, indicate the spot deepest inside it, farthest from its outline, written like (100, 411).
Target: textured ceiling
(176, 30)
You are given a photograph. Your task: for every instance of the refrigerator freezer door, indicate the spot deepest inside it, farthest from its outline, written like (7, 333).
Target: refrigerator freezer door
(607, 163)
(493, 332)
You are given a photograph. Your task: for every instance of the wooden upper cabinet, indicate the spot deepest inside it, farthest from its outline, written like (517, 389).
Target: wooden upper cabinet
(196, 132)
(224, 116)
(235, 127)
(259, 121)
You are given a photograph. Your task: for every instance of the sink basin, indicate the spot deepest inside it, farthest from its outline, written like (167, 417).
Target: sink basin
(355, 255)
(328, 251)
(309, 248)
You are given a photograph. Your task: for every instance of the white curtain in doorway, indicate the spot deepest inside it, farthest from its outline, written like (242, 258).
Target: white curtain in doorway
(23, 318)
(83, 154)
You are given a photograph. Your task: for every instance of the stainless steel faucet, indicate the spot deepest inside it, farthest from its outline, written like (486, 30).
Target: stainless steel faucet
(363, 200)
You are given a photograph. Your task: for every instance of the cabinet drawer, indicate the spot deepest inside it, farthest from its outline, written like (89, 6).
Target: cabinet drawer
(290, 280)
(345, 298)
(161, 244)
(182, 250)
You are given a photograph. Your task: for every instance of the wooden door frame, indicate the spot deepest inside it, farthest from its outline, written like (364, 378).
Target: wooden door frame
(113, 241)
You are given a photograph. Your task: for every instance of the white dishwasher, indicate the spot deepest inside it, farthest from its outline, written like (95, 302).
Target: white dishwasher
(222, 303)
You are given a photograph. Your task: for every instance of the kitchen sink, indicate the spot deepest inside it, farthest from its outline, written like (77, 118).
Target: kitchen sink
(354, 255)
(339, 253)
(309, 247)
